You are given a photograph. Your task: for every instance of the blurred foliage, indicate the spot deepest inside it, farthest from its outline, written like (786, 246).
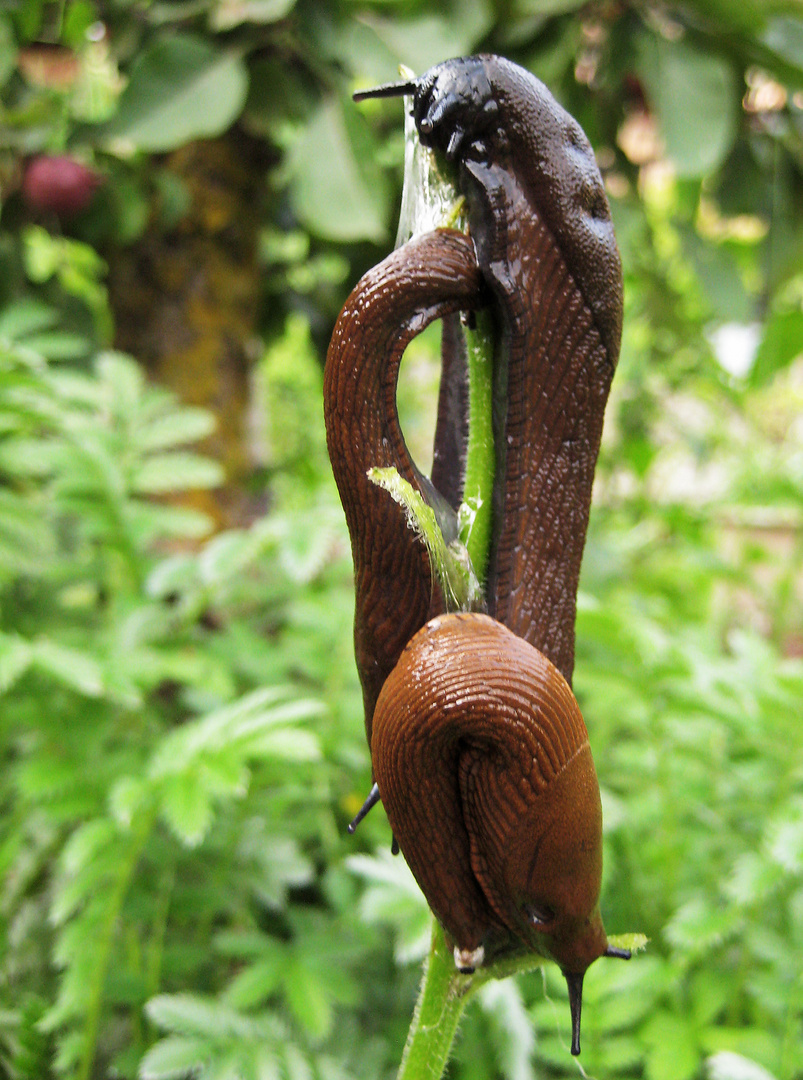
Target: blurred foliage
(181, 722)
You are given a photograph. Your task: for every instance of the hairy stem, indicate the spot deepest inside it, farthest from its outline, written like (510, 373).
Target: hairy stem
(441, 1000)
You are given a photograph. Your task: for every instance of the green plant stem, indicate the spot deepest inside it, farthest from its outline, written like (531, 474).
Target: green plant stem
(103, 944)
(444, 994)
(444, 991)
(480, 453)
(441, 1000)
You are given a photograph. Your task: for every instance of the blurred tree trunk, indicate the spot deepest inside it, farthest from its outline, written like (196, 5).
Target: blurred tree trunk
(186, 302)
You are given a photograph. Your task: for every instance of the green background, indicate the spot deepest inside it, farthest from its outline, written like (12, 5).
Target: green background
(181, 724)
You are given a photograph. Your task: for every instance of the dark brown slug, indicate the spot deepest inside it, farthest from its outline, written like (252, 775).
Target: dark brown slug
(478, 747)
(542, 227)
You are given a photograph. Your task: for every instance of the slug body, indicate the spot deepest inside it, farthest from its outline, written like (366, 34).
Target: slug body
(429, 278)
(541, 224)
(506, 811)
(478, 747)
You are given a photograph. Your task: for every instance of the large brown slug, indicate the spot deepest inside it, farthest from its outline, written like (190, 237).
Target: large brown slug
(479, 750)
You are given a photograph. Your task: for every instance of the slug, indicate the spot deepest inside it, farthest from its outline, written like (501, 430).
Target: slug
(478, 747)
(505, 807)
(395, 593)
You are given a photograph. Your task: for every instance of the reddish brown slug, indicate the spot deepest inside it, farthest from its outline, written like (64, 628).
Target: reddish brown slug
(479, 750)
(427, 279)
(505, 810)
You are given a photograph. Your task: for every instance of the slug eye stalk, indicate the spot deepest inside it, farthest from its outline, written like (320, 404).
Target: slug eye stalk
(621, 954)
(575, 985)
(387, 90)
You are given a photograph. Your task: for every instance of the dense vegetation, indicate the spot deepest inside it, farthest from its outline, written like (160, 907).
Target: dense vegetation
(181, 728)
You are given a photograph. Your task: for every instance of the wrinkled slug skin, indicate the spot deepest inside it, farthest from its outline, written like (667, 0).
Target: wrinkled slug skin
(426, 279)
(482, 758)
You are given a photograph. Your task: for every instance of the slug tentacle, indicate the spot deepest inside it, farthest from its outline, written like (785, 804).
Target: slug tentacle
(371, 799)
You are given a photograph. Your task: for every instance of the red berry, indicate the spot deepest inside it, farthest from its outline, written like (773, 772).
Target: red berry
(59, 184)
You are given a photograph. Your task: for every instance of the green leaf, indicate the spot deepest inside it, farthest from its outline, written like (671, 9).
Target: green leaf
(394, 899)
(128, 797)
(181, 88)
(674, 1052)
(752, 878)
(85, 844)
(75, 669)
(619, 1055)
(26, 316)
(421, 42)
(88, 881)
(784, 36)
(336, 188)
(307, 999)
(699, 925)
(277, 95)
(58, 345)
(257, 982)
(15, 659)
(719, 276)
(279, 865)
(176, 472)
(782, 342)
(548, 7)
(187, 808)
(175, 428)
(181, 750)
(174, 1058)
(511, 1030)
(161, 522)
(29, 457)
(785, 839)
(287, 745)
(125, 379)
(228, 555)
(173, 575)
(711, 990)
(230, 13)
(696, 98)
(188, 1014)
(8, 50)
(621, 995)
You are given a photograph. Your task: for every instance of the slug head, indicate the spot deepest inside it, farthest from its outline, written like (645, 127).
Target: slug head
(560, 904)
(554, 871)
(539, 864)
